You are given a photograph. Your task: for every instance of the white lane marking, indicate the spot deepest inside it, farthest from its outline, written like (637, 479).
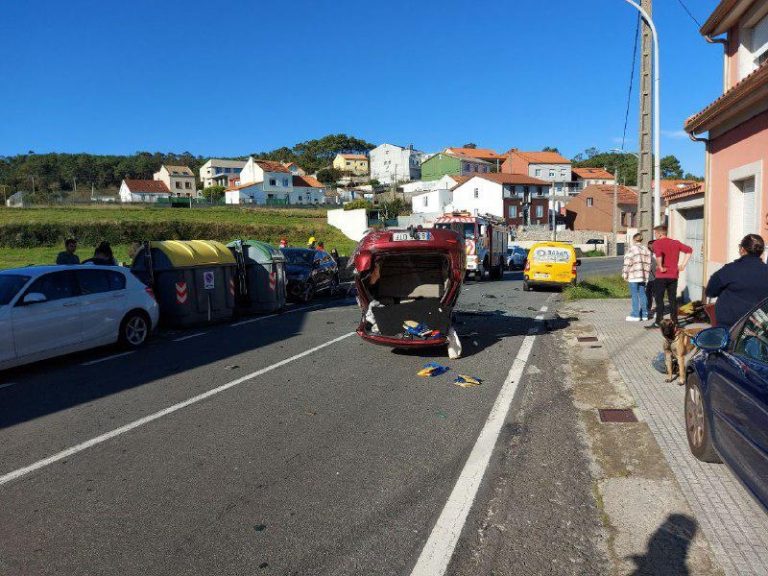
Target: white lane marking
(99, 360)
(8, 385)
(165, 412)
(543, 309)
(438, 550)
(189, 337)
(260, 318)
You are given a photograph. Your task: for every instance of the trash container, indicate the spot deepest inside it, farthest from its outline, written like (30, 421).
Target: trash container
(260, 285)
(193, 280)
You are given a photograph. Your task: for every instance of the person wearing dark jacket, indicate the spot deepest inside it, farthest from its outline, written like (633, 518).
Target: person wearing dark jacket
(740, 285)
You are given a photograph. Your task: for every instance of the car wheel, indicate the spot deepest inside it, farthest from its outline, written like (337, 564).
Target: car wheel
(696, 424)
(309, 293)
(134, 329)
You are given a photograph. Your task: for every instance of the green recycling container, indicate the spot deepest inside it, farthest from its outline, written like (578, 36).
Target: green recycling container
(260, 285)
(193, 280)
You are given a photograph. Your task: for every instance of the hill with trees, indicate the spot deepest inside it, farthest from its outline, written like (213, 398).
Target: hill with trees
(626, 164)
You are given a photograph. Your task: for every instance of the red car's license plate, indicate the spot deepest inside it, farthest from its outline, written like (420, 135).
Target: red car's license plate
(405, 236)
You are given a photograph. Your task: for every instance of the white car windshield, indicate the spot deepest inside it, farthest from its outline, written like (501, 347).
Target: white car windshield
(10, 284)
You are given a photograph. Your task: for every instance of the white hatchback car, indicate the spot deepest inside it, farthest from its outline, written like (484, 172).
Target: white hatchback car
(47, 311)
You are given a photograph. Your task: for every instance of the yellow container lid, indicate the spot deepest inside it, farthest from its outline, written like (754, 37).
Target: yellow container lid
(186, 253)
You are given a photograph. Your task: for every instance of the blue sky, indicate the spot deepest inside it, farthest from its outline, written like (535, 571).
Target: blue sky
(234, 77)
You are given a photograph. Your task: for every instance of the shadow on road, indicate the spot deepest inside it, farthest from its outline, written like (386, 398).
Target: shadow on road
(668, 548)
(40, 393)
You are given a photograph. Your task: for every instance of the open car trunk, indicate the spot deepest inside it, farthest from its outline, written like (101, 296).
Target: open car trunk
(403, 289)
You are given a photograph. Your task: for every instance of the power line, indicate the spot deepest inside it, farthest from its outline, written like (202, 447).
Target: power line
(698, 24)
(631, 81)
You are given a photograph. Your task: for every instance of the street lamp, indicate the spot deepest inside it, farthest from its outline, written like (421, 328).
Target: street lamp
(656, 110)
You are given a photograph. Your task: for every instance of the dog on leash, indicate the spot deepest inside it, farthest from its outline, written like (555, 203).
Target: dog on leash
(677, 344)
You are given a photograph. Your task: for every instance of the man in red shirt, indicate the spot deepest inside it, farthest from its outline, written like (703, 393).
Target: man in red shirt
(667, 253)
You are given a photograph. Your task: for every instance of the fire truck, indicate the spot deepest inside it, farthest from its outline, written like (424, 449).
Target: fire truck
(485, 241)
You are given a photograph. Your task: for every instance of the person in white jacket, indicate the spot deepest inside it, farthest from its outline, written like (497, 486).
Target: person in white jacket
(636, 271)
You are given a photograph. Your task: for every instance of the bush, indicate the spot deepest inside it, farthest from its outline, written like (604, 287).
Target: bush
(357, 204)
(593, 253)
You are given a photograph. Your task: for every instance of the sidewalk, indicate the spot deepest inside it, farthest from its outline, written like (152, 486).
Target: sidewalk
(735, 526)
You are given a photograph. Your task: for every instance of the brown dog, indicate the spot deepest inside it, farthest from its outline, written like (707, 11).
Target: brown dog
(677, 344)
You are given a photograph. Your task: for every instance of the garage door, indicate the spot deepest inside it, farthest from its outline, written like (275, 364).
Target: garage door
(694, 237)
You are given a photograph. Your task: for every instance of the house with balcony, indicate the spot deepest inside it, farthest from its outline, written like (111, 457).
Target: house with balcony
(391, 163)
(180, 180)
(444, 164)
(734, 131)
(218, 172)
(354, 164)
(518, 198)
(592, 209)
(549, 166)
(261, 182)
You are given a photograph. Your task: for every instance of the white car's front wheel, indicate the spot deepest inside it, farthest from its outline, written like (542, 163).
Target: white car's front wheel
(134, 329)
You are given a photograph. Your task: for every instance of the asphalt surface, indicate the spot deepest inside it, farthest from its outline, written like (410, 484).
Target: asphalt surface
(314, 452)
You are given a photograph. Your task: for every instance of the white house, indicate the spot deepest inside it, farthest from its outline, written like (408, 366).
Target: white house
(179, 180)
(432, 202)
(390, 163)
(307, 190)
(218, 172)
(148, 191)
(488, 193)
(294, 168)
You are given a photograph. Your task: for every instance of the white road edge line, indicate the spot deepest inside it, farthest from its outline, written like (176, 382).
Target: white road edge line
(99, 360)
(437, 552)
(189, 337)
(260, 318)
(8, 385)
(165, 412)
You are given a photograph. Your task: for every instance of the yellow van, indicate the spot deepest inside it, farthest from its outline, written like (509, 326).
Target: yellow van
(550, 264)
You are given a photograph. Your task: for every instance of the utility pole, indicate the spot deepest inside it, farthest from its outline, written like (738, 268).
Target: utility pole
(644, 200)
(615, 226)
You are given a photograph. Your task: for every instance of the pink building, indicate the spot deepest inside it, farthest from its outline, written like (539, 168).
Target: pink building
(735, 130)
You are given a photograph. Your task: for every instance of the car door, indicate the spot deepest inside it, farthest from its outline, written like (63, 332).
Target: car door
(738, 389)
(102, 303)
(47, 327)
(319, 272)
(10, 286)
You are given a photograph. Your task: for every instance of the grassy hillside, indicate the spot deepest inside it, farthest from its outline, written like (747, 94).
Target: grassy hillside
(35, 235)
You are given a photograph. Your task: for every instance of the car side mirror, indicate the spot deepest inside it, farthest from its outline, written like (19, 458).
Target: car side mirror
(578, 262)
(712, 339)
(34, 298)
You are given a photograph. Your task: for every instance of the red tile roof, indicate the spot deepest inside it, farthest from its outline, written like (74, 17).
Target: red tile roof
(270, 166)
(671, 186)
(242, 186)
(481, 153)
(684, 192)
(739, 96)
(624, 195)
(307, 182)
(540, 157)
(592, 173)
(146, 186)
(502, 178)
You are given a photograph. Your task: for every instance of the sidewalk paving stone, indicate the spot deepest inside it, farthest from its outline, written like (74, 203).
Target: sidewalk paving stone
(734, 524)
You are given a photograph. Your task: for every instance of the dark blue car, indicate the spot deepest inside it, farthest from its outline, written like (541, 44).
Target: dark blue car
(726, 400)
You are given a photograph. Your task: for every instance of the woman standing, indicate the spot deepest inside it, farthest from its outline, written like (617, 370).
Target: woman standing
(740, 285)
(637, 269)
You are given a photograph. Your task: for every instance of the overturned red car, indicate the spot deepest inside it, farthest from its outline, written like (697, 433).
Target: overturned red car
(408, 282)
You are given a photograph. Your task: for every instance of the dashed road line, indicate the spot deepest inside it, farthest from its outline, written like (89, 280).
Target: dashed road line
(10, 476)
(190, 336)
(112, 357)
(260, 318)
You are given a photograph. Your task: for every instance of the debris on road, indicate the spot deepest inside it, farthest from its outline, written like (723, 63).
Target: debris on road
(467, 381)
(454, 344)
(432, 369)
(231, 367)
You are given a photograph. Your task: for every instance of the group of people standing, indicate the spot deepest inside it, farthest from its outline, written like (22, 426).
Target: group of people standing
(102, 255)
(653, 271)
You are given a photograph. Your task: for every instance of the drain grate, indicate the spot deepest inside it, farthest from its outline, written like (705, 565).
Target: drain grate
(617, 415)
(586, 338)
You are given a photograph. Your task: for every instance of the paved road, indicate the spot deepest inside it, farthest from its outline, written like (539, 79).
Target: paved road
(591, 267)
(286, 445)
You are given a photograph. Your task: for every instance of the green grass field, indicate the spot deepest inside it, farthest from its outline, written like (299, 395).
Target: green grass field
(600, 287)
(143, 222)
